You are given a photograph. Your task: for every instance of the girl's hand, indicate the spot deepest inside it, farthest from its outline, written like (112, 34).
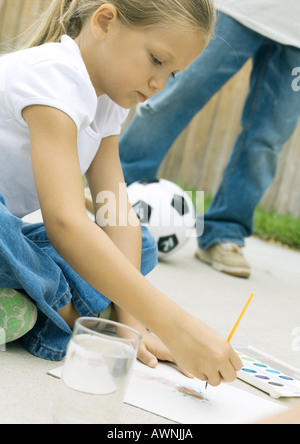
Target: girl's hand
(202, 351)
(197, 350)
(152, 350)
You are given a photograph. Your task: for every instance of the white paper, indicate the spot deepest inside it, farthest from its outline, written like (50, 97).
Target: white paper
(164, 391)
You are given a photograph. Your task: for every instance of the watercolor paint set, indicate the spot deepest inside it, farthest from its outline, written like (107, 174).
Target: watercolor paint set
(271, 380)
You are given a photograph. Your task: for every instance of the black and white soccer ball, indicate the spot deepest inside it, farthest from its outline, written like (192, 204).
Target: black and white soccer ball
(167, 211)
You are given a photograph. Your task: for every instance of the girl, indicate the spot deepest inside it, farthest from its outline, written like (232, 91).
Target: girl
(62, 102)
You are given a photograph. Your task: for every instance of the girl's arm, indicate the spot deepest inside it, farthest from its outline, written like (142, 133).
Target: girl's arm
(95, 257)
(110, 200)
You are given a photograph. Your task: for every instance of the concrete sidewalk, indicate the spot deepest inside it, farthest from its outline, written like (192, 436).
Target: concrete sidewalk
(28, 393)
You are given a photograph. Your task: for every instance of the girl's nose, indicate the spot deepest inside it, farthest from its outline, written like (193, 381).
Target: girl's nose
(157, 84)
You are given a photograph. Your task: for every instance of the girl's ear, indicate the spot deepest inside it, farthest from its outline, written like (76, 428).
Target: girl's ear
(103, 19)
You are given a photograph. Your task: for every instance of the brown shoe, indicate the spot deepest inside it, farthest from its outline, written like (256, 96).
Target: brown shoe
(227, 258)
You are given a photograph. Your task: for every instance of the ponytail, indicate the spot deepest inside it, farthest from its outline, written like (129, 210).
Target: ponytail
(60, 18)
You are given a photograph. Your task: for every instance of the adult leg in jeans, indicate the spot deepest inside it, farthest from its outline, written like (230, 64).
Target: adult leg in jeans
(270, 117)
(160, 121)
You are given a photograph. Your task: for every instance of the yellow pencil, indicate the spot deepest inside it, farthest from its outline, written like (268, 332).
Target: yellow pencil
(240, 318)
(238, 322)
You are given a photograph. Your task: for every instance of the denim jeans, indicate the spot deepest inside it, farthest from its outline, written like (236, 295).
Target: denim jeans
(28, 262)
(270, 116)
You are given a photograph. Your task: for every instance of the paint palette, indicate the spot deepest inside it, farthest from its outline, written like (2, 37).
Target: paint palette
(268, 379)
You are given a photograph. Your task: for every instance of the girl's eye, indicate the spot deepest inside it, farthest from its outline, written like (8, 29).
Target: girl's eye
(156, 61)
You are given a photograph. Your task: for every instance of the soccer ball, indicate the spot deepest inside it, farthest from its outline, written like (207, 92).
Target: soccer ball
(166, 210)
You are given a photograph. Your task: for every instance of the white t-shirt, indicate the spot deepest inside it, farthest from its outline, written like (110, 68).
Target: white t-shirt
(278, 20)
(55, 75)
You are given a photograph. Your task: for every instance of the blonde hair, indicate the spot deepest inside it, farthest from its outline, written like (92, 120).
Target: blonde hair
(69, 16)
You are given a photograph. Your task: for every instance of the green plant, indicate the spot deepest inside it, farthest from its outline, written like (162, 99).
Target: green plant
(269, 225)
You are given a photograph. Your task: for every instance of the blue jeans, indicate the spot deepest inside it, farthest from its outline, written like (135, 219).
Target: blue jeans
(269, 118)
(28, 262)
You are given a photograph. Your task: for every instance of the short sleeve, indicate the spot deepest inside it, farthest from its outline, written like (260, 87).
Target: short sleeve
(109, 117)
(55, 84)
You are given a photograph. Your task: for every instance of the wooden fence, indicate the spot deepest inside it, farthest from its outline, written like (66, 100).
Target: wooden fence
(200, 154)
